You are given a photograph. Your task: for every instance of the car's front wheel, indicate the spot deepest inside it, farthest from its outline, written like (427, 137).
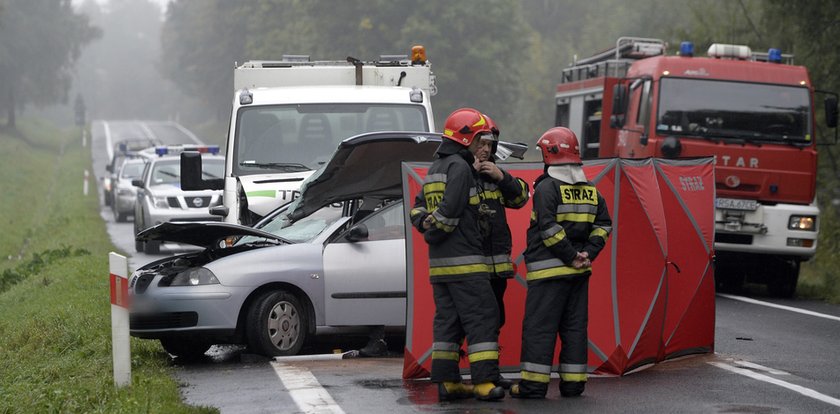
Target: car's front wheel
(185, 348)
(276, 324)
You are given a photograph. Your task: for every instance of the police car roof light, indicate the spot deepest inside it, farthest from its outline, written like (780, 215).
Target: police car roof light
(161, 151)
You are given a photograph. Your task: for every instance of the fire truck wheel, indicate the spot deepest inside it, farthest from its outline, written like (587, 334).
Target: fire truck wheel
(277, 324)
(785, 278)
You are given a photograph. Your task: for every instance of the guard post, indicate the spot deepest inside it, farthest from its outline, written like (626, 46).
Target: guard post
(119, 319)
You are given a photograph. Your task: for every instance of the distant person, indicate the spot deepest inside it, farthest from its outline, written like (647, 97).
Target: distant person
(447, 213)
(569, 226)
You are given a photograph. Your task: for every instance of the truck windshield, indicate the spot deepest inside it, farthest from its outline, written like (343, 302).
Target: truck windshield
(292, 138)
(734, 110)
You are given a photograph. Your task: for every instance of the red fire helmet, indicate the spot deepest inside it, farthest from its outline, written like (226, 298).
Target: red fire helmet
(559, 145)
(463, 125)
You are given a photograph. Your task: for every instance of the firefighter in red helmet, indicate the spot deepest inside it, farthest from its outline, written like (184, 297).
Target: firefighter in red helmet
(569, 226)
(447, 213)
(499, 190)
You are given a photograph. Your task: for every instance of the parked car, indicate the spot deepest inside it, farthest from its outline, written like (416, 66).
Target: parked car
(125, 193)
(161, 199)
(125, 149)
(332, 260)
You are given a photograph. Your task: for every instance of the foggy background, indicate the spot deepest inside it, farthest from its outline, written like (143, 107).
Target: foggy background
(161, 60)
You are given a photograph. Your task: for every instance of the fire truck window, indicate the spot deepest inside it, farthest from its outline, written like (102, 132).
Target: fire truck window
(644, 106)
(591, 128)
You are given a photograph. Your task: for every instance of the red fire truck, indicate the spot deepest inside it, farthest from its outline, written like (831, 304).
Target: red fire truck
(754, 112)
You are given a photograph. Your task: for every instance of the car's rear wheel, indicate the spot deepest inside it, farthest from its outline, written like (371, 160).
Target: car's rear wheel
(277, 324)
(119, 217)
(185, 348)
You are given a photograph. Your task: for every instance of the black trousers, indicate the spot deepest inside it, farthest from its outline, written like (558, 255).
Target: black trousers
(552, 307)
(499, 286)
(465, 309)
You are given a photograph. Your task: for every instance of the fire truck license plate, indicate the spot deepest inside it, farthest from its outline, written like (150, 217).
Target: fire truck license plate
(736, 204)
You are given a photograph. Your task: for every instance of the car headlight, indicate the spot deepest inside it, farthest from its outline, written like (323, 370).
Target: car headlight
(802, 223)
(195, 276)
(160, 202)
(125, 192)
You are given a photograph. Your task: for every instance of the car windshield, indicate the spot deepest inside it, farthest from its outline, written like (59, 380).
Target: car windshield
(290, 138)
(169, 171)
(744, 111)
(302, 230)
(132, 170)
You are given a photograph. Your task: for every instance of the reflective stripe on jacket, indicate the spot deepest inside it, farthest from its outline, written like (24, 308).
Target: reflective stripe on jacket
(450, 196)
(509, 192)
(567, 219)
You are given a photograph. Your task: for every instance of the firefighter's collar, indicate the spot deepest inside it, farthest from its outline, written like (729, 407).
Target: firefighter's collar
(567, 173)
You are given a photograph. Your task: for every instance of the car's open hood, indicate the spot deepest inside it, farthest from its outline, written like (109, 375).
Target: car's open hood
(199, 233)
(366, 165)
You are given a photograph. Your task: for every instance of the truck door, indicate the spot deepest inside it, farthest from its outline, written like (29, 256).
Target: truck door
(365, 280)
(635, 134)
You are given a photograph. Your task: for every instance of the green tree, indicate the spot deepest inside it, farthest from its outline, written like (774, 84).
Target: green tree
(39, 43)
(201, 41)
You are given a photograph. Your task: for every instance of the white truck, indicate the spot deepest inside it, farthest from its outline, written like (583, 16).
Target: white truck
(289, 116)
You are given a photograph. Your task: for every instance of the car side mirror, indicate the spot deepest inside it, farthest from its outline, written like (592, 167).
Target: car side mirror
(137, 183)
(219, 211)
(359, 232)
(191, 174)
(619, 101)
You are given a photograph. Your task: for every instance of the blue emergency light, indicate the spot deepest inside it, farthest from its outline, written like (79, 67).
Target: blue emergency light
(687, 49)
(774, 55)
(161, 151)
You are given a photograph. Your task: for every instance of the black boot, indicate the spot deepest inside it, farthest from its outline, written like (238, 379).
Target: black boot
(504, 382)
(572, 388)
(374, 348)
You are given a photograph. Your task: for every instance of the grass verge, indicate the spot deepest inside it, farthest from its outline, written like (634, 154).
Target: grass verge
(55, 334)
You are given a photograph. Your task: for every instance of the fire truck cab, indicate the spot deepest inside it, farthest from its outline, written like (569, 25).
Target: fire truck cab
(289, 116)
(753, 112)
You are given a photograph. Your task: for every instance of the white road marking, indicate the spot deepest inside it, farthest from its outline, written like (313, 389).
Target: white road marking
(148, 131)
(757, 367)
(305, 389)
(187, 132)
(108, 144)
(784, 384)
(783, 307)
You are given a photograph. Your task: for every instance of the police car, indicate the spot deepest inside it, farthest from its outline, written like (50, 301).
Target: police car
(331, 261)
(159, 195)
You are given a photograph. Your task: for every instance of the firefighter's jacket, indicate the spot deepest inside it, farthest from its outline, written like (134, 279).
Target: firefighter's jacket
(450, 196)
(509, 192)
(567, 219)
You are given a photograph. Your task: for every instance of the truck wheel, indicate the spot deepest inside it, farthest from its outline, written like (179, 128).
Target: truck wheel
(277, 324)
(728, 280)
(784, 280)
(185, 348)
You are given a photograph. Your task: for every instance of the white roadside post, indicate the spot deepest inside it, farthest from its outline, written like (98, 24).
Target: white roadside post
(119, 319)
(85, 184)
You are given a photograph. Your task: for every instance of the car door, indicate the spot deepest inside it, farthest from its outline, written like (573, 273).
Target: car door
(364, 280)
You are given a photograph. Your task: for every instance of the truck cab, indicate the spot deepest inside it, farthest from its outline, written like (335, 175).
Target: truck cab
(289, 116)
(753, 112)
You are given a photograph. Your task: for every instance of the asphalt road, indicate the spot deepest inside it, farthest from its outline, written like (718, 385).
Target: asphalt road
(771, 356)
